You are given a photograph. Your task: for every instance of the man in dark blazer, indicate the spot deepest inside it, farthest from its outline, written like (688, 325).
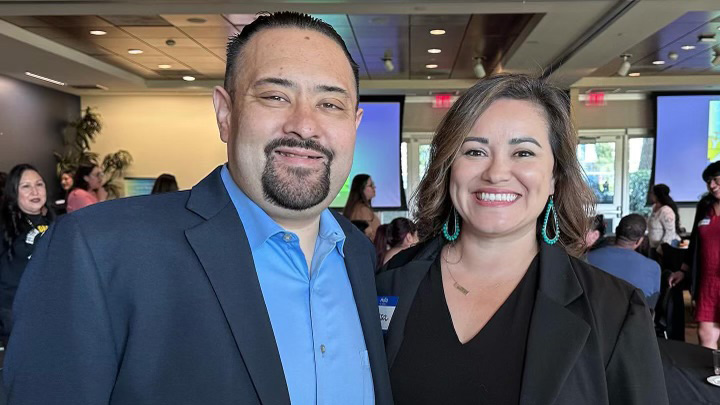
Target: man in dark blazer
(180, 298)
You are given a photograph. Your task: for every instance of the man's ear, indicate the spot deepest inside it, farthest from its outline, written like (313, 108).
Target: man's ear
(223, 112)
(358, 117)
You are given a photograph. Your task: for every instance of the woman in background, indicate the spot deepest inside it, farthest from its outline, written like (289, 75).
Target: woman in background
(703, 260)
(66, 181)
(87, 188)
(392, 238)
(359, 203)
(664, 221)
(494, 307)
(26, 217)
(165, 183)
(595, 237)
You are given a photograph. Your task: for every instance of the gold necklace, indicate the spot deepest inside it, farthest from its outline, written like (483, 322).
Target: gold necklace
(457, 285)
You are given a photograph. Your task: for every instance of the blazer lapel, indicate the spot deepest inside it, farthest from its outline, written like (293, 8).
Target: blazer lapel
(556, 336)
(221, 246)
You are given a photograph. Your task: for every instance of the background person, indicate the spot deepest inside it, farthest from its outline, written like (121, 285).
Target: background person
(87, 188)
(165, 183)
(595, 236)
(664, 220)
(359, 203)
(392, 238)
(493, 307)
(622, 261)
(703, 260)
(26, 216)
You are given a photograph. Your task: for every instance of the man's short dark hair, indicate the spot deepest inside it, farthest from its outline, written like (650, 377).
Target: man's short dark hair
(282, 19)
(631, 228)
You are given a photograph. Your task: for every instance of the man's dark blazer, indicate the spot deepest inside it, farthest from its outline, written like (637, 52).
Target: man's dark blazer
(155, 300)
(591, 340)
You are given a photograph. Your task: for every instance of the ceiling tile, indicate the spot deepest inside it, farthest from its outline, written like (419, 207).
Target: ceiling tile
(80, 33)
(210, 32)
(24, 21)
(75, 21)
(130, 66)
(183, 52)
(121, 46)
(180, 42)
(154, 32)
(136, 20)
(217, 42)
(211, 20)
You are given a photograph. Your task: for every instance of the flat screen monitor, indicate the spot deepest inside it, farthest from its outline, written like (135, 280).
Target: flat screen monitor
(377, 152)
(688, 139)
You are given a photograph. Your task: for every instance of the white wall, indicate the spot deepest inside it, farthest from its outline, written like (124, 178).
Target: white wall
(164, 134)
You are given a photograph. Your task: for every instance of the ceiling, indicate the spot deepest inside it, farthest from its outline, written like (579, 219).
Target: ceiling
(577, 43)
(676, 37)
(194, 45)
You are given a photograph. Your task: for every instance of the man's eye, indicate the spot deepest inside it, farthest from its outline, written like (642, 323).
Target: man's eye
(330, 106)
(274, 98)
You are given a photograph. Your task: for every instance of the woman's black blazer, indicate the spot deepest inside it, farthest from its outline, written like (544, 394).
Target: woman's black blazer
(591, 339)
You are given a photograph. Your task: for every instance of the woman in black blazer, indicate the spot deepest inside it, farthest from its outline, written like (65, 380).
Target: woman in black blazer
(494, 307)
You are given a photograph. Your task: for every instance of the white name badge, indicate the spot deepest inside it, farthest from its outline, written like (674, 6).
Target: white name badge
(30, 238)
(386, 306)
(704, 222)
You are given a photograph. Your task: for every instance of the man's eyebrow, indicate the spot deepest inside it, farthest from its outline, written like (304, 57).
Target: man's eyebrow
(275, 80)
(476, 139)
(517, 141)
(324, 88)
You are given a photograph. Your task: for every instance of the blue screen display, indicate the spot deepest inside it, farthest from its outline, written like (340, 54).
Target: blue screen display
(688, 139)
(377, 153)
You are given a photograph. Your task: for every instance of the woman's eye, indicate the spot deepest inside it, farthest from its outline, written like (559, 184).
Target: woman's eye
(524, 153)
(475, 153)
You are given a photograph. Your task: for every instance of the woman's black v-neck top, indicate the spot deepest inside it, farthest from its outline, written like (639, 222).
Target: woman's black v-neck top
(433, 367)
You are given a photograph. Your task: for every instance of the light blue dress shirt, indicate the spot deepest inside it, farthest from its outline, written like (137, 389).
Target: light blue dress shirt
(312, 311)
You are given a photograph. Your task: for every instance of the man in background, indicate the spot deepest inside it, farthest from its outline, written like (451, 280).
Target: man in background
(622, 261)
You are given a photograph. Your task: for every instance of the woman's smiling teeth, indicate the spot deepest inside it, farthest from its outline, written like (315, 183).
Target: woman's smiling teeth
(497, 197)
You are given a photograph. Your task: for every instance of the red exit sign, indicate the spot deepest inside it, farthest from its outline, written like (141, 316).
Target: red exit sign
(595, 99)
(442, 101)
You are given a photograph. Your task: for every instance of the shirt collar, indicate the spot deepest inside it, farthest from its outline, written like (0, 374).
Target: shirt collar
(259, 227)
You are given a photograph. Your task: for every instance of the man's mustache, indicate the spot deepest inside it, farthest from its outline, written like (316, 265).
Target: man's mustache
(299, 143)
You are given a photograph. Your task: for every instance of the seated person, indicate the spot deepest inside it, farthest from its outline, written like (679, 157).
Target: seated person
(623, 262)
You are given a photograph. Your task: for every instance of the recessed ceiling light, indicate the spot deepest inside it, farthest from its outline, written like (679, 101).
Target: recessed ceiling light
(634, 74)
(196, 20)
(431, 66)
(429, 77)
(33, 75)
(188, 78)
(164, 66)
(658, 62)
(434, 50)
(706, 38)
(687, 47)
(135, 51)
(437, 32)
(98, 32)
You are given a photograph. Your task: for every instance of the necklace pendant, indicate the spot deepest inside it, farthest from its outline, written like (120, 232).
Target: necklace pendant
(460, 288)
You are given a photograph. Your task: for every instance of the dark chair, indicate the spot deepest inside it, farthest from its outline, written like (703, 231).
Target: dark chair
(670, 308)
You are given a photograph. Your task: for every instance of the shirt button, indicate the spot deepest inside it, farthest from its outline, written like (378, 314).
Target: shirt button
(322, 349)
(287, 237)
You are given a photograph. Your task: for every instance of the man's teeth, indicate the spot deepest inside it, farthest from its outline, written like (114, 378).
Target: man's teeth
(498, 197)
(296, 156)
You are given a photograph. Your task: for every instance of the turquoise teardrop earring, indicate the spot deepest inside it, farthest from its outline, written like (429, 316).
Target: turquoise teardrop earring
(456, 233)
(551, 207)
